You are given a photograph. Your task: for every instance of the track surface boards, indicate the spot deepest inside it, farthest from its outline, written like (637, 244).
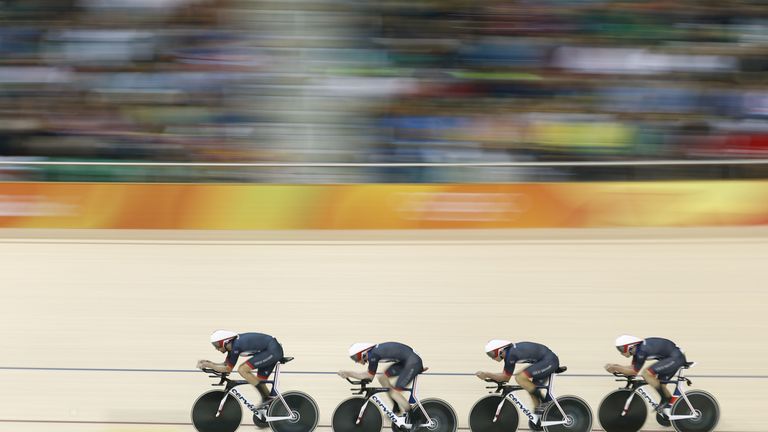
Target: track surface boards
(115, 325)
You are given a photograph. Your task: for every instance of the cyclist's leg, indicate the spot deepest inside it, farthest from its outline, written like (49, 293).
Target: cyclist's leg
(662, 370)
(412, 367)
(542, 393)
(264, 362)
(394, 371)
(537, 372)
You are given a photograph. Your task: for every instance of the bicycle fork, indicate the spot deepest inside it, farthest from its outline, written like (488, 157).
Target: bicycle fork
(221, 404)
(632, 396)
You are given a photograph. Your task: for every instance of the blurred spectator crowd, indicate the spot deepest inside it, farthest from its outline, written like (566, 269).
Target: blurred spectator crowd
(381, 81)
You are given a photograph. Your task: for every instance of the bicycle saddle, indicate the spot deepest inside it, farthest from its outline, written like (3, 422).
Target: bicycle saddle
(285, 360)
(688, 364)
(561, 369)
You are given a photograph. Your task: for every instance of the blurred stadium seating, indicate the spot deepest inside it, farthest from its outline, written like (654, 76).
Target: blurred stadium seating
(354, 81)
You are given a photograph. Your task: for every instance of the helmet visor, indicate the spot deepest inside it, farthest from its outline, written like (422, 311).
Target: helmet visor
(220, 344)
(494, 354)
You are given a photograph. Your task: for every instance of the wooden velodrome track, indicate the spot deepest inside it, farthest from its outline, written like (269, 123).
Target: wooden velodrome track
(102, 329)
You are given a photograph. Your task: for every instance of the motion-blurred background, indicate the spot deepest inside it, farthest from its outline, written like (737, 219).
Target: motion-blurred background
(377, 81)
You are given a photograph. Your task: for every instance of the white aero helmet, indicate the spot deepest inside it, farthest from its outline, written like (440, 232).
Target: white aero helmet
(493, 347)
(357, 349)
(624, 342)
(220, 337)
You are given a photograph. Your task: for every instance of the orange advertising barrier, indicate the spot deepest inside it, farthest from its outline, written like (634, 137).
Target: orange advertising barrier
(382, 206)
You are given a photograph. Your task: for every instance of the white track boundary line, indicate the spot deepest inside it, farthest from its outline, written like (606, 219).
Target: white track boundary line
(394, 242)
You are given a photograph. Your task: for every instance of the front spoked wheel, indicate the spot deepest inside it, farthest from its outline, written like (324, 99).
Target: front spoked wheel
(705, 408)
(481, 416)
(577, 418)
(443, 417)
(344, 418)
(609, 412)
(204, 413)
(303, 411)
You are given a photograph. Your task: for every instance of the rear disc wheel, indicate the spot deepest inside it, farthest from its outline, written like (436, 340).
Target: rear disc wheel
(303, 413)
(704, 406)
(578, 415)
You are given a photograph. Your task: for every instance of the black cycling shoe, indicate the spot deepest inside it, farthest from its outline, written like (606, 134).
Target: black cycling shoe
(396, 409)
(664, 409)
(416, 423)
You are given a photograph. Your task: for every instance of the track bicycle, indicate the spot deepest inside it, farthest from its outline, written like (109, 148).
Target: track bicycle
(220, 411)
(358, 413)
(497, 412)
(692, 411)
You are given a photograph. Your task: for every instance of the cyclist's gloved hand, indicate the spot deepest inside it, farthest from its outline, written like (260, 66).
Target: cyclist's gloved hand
(201, 364)
(343, 374)
(482, 375)
(614, 368)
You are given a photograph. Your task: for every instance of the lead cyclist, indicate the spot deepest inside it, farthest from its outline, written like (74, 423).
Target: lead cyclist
(669, 358)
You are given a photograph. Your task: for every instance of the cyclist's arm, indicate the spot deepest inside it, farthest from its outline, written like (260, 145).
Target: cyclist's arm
(624, 370)
(356, 375)
(218, 367)
(498, 377)
(638, 361)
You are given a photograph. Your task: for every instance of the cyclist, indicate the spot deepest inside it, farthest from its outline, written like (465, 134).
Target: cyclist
(669, 358)
(265, 352)
(543, 362)
(406, 365)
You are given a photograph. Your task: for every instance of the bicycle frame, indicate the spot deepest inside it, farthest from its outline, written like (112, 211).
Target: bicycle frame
(258, 409)
(509, 395)
(636, 385)
(398, 420)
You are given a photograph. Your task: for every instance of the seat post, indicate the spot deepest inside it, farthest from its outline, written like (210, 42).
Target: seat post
(550, 384)
(413, 398)
(274, 380)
